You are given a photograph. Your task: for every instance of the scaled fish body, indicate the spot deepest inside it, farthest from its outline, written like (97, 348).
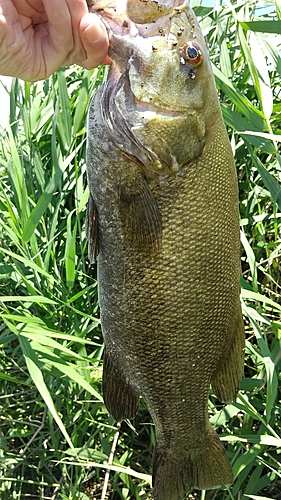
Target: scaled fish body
(163, 217)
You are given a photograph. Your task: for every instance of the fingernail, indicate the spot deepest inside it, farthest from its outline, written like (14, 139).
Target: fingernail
(94, 32)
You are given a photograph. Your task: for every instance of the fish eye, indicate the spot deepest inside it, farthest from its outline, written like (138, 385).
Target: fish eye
(192, 54)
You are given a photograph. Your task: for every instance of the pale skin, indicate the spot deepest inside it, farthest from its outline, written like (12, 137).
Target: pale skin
(39, 36)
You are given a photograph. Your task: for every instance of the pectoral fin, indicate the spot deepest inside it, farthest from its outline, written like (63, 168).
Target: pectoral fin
(92, 230)
(140, 217)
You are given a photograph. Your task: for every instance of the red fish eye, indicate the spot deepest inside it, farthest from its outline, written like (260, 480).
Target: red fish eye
(192, 54)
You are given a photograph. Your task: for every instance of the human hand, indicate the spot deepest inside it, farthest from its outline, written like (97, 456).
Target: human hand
(39, 36)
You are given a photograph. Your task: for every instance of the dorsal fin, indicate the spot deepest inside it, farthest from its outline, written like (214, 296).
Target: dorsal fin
(92, 230)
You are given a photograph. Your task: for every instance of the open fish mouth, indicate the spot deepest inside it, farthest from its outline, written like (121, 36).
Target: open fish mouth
(145, 17)
(152, 109)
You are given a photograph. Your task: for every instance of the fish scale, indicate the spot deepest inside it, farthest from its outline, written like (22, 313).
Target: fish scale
(167, 239)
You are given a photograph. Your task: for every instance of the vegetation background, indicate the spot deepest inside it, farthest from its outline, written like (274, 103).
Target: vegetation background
(56, 436)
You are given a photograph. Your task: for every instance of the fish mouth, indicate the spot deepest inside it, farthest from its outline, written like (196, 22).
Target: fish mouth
(152, 109)
(120, 20)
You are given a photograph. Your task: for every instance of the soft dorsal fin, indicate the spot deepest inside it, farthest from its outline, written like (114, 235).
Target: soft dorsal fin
(92, 230)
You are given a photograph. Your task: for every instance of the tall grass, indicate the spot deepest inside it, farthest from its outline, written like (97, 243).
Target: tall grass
(55, 433)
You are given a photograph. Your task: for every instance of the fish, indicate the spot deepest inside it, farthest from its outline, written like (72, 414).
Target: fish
(163, 225)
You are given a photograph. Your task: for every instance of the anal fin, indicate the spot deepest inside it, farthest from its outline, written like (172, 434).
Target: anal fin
(120, 398)
(225, 381)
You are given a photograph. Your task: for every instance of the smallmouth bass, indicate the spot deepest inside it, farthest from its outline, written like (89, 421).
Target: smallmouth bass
(163, 221)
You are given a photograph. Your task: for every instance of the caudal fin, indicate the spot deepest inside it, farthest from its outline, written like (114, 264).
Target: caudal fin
(204, 468)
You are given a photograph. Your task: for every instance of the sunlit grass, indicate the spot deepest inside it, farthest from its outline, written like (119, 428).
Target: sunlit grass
(55, 433)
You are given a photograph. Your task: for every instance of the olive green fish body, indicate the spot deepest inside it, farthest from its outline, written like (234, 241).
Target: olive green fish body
(164, 220)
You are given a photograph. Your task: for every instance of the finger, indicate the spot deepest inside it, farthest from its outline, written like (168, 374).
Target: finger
(32, 9)
(13, 41)
(78, 9)
(64, 18)
(54, 39)
(95, 40)
(59, 24)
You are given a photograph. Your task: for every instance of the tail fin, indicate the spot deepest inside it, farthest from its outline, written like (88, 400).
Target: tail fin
(204, 468)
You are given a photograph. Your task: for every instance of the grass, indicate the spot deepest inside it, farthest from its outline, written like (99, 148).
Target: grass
(55, 433)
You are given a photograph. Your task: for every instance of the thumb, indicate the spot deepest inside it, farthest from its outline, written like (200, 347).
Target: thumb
(94, 39)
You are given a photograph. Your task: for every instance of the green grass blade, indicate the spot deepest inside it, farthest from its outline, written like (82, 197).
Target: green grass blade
(36, 375)
(251, 260)
(278, 8)
(257, 497)
(269, 181)
(64, 119)
(271, 374)
(70, 252)
(39, 299)
(248, 294)
(28, 263)
(262, 26)
(46, 197)
(266, 97)
(251, 64)
(117, 468)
